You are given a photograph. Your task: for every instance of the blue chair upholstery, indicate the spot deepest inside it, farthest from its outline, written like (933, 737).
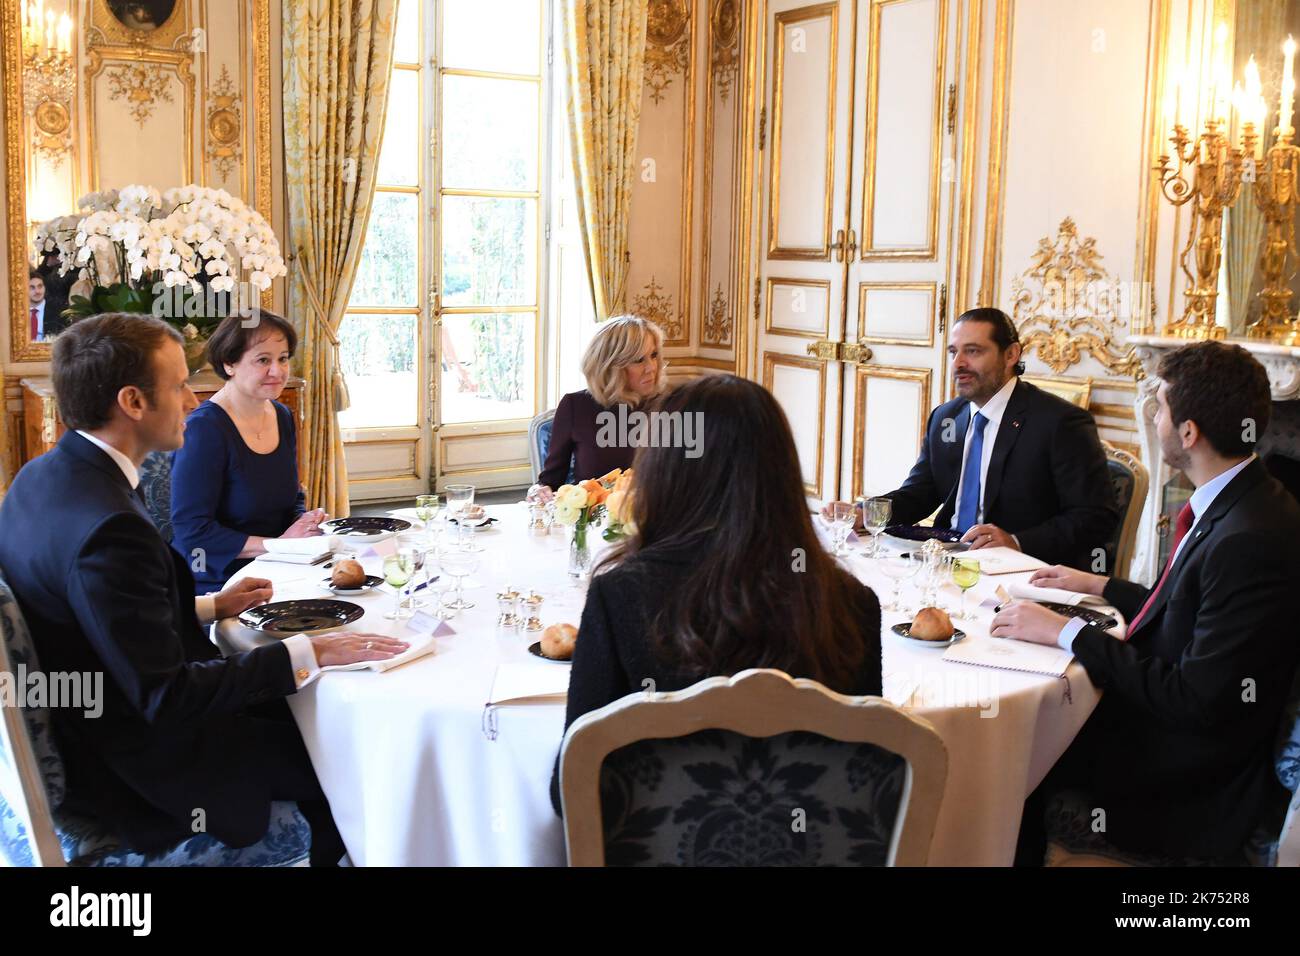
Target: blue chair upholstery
(156, 486)
(1124, 482)
(85, 842)
(539, 433)
(717, 798)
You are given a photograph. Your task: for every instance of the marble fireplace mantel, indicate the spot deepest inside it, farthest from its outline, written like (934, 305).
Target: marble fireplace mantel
(1282, 362)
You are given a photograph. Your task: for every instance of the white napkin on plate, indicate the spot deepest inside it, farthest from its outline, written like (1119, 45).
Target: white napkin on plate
(299, 550)
(1030, 592)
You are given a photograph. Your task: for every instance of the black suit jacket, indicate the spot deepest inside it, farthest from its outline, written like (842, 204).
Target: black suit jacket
(102, 592)
(1180, 749)
(1047, 482)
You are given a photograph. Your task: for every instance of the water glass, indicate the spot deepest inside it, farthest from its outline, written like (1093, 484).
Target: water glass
(876, 513)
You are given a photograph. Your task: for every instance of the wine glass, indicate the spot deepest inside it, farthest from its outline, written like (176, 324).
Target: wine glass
(898, 568)
(876, 513)
(399, 567)
(426, 507)
(841, 515)
(459, 565)
(965, 574)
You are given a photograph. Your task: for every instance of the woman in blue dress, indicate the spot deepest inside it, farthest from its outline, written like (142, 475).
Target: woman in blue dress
(235, 480)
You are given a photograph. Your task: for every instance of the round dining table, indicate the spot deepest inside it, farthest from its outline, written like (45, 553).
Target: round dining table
(421, 770)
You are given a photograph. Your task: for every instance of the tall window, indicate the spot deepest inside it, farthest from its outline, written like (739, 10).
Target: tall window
(381, 329)
(463, 152)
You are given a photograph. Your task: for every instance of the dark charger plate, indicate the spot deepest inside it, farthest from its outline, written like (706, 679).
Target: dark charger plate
(1103, 621)
(299, 617)
(364, 525)
(915, 532)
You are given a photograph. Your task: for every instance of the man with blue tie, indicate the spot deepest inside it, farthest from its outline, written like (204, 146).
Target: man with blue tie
(1179, 753)
(1006, 463)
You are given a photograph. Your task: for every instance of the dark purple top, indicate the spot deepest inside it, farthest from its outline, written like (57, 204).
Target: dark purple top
(573, 435)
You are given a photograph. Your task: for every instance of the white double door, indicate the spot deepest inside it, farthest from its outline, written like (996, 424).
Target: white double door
(858, 168)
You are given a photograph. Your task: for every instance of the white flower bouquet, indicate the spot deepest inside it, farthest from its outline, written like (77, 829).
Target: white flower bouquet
(190, 255)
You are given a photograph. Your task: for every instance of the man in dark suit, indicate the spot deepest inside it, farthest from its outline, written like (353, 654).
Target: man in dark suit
(1179, 751)
(183, 737)
(1006, 463)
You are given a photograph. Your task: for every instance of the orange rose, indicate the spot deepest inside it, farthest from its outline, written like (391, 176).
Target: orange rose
(596, 492)
(610, 477)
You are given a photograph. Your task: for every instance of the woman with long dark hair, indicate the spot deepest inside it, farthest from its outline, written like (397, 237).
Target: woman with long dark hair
(724, 570)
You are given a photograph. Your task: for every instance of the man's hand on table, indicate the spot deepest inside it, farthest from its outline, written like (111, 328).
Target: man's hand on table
(989, 536)
(1028, 621)
(240, 596)
(1059, 576)
(352, 647)
(858, 524)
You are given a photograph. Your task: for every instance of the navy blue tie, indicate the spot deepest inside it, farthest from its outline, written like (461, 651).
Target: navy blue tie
(969, 507)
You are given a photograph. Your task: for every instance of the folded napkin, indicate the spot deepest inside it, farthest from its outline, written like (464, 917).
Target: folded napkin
(421, 646)
(1030, 592)
(299, 550)
(1004, 560)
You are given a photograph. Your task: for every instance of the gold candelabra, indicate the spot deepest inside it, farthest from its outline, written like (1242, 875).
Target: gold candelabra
(1215, 166)
(1275, 195)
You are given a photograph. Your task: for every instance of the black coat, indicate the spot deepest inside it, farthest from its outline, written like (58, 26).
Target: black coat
(102, 592)
(1047, 481)
(614, 656)
(1180, 749)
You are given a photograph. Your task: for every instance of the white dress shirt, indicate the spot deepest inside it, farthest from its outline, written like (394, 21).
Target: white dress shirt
(993, 410)
(302, 656)
(1201, 500)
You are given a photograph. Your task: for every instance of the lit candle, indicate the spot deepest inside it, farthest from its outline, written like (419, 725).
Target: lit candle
(1222, 75)
(1288, 87)
(50, 28)
(1256, 109)
(65, 35)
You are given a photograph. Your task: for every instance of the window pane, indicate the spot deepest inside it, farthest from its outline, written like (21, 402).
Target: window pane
(406, 46)
(390, 262)
(488, 366)
(399, 156)
(503, 36)
(489, 133)
(378, 357)
(489, 251)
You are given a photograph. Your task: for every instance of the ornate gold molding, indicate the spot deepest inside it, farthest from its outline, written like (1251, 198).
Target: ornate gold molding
(724, 55)
(658, 308)
(1066, 305)
(225, 126)
(718, 321)
(140, 86)
(668, 44)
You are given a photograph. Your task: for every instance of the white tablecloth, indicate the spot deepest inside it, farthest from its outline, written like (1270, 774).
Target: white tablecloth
(413, 778)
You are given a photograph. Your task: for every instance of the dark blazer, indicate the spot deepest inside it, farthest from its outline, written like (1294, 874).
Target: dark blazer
(1181, 745)
(614, 655)
(573, 436)
(1047, 482)
(102, 592)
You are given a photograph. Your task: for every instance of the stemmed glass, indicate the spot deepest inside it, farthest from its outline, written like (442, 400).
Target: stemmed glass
(841, 523)
(459, 565)
(399, 568)
(965, 574)
(460, 499)
(876, 513)
(898, 568)
(426, 507)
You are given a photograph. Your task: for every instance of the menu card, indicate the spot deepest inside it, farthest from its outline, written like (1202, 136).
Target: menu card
(1012, 655)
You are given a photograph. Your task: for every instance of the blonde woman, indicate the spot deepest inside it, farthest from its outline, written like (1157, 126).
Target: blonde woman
(622, 365)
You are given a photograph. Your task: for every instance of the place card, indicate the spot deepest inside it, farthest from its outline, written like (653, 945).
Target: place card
(425, 623)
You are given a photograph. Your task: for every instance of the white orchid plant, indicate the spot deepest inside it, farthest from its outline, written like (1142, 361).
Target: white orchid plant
(133, 247)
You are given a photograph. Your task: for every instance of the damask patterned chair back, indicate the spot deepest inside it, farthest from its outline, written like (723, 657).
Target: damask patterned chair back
(1288, 771)
(156, 487)
(1128, 477)
(539, 442)
(31, 771)
(754, 770)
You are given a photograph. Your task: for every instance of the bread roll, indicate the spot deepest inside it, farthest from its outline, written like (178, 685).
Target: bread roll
(558, 641)
(931, 624)
(348, 574)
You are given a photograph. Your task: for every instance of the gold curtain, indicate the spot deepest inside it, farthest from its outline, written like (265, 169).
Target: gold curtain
(1259, 27)
(604, 43)
(337, 57)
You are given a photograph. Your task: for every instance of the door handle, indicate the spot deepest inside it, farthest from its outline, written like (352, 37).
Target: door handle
(839, 245)
(850, 353)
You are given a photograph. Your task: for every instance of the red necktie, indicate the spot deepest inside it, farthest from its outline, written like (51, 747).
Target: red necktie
(1181, 526)
(35, 329)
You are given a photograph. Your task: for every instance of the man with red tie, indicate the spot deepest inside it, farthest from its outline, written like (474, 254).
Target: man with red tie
(36, 305)
(1179, 751)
